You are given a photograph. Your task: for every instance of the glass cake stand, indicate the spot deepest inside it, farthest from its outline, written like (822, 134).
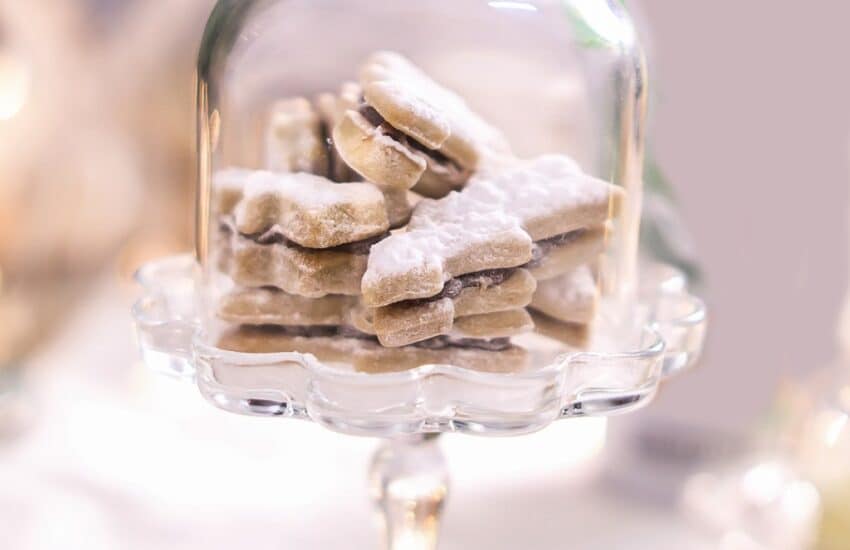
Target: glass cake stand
(620, 372)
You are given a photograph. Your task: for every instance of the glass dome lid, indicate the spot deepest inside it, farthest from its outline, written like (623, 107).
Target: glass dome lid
(386, 185)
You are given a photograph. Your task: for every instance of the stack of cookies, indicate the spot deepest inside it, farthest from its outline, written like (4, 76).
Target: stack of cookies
(392, 216)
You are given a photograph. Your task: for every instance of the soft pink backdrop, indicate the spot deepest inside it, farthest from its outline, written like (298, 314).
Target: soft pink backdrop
(751, 121)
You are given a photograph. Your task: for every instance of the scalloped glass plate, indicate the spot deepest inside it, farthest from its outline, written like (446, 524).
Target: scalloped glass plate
(619, 371)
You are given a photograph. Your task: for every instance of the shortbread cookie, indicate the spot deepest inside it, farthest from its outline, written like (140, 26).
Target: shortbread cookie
(571, 298)
(411, 131)
(332, 108)
(566, 252)
(228, 190)
(435, 319)
(398, 325)
(501, 324)
(493, 290)
(294, 138)
(310, 210)
(383, 155)
(573, 334)
(550, 195)
(367, 355)
(271, 306)
(440, 120)
(491, 224)
(297, 270)
(412, 321)
(444, 239)
(375, 154)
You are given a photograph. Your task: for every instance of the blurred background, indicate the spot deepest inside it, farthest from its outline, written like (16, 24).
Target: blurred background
(750, 126)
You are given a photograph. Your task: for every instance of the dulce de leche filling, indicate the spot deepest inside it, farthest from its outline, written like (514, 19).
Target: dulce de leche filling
(436, 343)
(453, 288)
(274, 235)
(437, 162)
(542, 248)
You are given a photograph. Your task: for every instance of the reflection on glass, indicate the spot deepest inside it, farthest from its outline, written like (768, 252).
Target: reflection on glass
(14, 85)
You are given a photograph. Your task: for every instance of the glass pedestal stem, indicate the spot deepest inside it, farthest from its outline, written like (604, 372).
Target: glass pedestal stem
(409, 482)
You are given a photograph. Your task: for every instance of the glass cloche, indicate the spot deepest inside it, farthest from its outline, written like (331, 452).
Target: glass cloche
(418, 217)
(391, 184)
(445, 190)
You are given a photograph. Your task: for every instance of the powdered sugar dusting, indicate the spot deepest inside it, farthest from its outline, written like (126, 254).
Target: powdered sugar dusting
(310, 210)
(415, 92)
(441, 230)
(538, 189)
(495, 206)
(310, 191)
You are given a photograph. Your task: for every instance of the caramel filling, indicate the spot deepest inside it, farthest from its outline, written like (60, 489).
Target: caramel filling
(544, 247)
(436, 343)
(274, 235)
(453, 288)
(441, 165)
(447, 342)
